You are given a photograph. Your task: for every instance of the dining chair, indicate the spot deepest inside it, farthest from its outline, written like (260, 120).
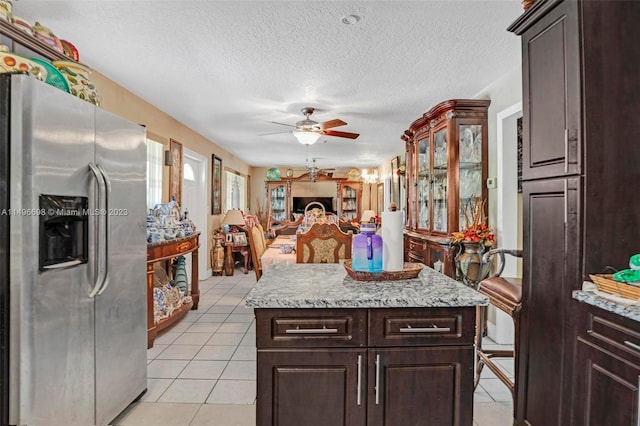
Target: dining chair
(323, 243)
(257, 246)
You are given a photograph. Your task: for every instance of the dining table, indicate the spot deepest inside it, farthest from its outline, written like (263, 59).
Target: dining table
(274, 255)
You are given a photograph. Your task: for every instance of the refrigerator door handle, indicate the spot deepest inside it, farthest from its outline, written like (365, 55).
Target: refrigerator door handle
(107, 192)
(102, 275)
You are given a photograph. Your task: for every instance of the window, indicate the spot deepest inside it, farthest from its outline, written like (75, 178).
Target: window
(188, 172)
(155, 162)
(235, 191)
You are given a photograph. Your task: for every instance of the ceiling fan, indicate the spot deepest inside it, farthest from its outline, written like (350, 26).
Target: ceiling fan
(307, 131)
(314, 171)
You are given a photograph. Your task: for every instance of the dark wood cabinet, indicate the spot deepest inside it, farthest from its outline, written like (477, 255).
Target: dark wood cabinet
(357, 367)
(446, 152)
(420, 385)
(311, 387)
(551, 66)
(607, 370)
(581, 95)
(551, 247)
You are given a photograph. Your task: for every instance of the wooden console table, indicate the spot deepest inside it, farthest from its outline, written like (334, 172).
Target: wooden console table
(166, 250)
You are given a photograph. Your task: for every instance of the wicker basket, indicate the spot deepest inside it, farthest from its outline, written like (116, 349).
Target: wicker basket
(606, 283)
(411, 270)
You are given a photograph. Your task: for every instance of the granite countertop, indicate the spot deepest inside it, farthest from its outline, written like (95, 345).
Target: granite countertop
(624, 307)
(315, 285)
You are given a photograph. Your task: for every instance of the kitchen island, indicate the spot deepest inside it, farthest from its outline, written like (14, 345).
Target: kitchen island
(335, 351)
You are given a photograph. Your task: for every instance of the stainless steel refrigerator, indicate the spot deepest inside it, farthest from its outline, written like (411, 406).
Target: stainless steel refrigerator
(72, 258)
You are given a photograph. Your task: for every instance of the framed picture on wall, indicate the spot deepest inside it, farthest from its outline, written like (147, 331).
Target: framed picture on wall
(216, 184)
(395, 179)
(380, 198)
(175, 171)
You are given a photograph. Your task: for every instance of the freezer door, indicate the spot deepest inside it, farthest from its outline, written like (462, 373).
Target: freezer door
(121, 315)
(52, 317)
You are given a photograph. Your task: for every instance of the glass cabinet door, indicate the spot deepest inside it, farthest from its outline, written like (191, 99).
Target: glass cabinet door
(440, 180)
(423, 187)
(470, 167)
(278, 197)
(349, 203)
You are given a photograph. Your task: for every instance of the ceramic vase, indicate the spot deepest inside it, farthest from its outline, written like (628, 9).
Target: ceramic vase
(180, 278)
(217, 255)
(469, 263)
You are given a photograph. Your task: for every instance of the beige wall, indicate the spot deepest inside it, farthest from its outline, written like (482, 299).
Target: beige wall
(161, 127)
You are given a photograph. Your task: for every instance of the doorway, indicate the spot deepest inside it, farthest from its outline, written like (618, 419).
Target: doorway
(194, 199)
(509, 203)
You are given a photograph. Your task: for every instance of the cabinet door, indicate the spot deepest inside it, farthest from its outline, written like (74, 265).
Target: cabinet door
(550, 272)
(423, 184)
(470, 170)
(551, 100)
(420, 386)
(350, 202)
(315, 387)
(440, 180)
(278, 201)
(605, 388)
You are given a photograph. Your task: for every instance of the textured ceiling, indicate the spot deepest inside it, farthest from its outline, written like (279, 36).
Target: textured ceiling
(228, 68)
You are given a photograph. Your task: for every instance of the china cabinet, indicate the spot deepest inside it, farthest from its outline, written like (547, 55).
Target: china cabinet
(349, 196)
(279, 199)
(579, 200)
(446, 152)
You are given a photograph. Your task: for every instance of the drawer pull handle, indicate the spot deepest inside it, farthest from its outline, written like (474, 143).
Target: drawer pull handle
(358, 399)
(632, 345)
(323, 330)
(432, 329)
(377, 379)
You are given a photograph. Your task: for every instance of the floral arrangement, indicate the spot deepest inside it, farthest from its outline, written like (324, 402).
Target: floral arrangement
(475, 226)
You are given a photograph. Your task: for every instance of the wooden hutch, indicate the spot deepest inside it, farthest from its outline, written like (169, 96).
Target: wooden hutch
(446, 157)
(280, 196)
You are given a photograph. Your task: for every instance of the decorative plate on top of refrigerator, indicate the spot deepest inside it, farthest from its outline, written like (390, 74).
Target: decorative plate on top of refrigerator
(54, 77)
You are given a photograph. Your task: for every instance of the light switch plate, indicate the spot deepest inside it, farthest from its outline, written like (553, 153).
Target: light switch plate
(492, 183)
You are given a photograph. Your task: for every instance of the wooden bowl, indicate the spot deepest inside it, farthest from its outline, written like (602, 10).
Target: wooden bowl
(410, 270)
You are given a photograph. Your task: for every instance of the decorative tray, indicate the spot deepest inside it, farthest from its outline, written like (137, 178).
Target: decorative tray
(605, 283)
(411, 270)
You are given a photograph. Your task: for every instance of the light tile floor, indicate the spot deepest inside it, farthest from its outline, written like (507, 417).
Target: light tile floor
(202, 371)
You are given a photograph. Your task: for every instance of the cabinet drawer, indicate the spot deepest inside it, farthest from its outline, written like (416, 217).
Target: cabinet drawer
(415, 258)
(277, 328)
(415, 327)
(417, 246)
(613, 336)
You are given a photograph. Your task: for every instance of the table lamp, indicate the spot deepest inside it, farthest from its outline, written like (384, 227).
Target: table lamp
(233, 217)
(367, 216)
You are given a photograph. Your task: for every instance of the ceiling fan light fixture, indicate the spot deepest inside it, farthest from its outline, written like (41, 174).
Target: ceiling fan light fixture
(306, 137)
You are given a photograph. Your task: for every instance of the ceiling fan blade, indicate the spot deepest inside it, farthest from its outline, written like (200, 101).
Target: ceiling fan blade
(340, 134)
(282, 124)
(332, 123)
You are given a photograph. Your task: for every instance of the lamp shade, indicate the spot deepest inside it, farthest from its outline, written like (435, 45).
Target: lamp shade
(367, 216)
(233, 217)
(306, 137)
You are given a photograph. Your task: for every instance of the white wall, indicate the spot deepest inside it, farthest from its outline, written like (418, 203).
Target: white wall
(503, 93)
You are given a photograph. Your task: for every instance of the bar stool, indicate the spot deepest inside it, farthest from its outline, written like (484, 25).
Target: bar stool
(505, 294)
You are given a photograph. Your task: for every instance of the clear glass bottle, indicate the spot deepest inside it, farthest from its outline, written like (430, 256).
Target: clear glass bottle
(366, 250)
